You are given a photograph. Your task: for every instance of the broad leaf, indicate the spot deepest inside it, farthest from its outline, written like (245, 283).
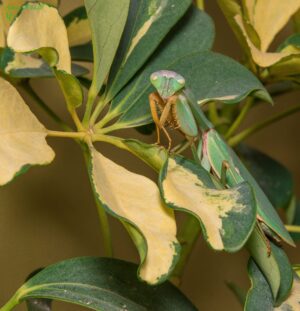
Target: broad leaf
(260, 297)
(34, 28)
(22, 142)
(227, 216)
(217, 152)
(107, 21)
(135, 200)
(269, 17)
(209, 75)
(102, 284)
(148, 23)
(273, 262)
(274, 179)
(78, 27)
(12, 7)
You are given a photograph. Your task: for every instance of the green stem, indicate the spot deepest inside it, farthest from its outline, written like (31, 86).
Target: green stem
(200, 4)
(294, 229)
(75, 135)
(213, 113)
(240, 118)
(235, 140)
(13, 301)
(34, 96)
(89, 106)
(187, 237)
(100, 106)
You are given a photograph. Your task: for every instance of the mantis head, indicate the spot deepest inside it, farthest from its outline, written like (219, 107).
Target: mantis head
(167, 83)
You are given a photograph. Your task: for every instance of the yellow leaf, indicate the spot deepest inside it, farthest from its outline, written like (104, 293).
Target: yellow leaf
(38, 26)
(136, 200)
(263, 59)
(268, 17)
(22, 136)
(79, 32)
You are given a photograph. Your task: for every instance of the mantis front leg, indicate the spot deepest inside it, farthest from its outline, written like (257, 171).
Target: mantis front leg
(154, 100)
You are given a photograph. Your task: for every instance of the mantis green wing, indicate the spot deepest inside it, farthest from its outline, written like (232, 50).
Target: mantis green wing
(185, 118)
(218, 151)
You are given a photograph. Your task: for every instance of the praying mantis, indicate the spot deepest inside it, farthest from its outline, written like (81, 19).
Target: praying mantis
(173, 105)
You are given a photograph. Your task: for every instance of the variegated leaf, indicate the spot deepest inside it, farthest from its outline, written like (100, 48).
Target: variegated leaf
(39, 26)
(135, 200)
(22, 136)
(269, 17)
(227, 216)
(78, 27)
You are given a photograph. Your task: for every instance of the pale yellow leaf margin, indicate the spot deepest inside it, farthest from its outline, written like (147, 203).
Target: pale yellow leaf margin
(22, 136)
(136, 200)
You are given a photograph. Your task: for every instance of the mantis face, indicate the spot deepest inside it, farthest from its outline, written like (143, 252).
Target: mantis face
(167, 83)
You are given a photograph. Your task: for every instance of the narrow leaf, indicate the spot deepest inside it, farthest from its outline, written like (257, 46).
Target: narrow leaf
(22, 142)
(102, 284)
(135, 199)
(274, 264)
(107, 21)
(135, 95)
(148, 23)
(227, 216)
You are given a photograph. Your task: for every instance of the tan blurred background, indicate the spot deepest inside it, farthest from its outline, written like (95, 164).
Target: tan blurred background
(48, 214)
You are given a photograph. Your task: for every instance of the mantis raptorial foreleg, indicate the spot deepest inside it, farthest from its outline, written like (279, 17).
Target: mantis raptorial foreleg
(154, 100)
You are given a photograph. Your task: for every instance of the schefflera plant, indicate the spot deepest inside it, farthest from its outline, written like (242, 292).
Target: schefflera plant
(130, 40)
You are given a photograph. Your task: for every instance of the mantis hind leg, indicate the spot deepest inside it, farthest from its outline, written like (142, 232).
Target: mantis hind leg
(225, 167)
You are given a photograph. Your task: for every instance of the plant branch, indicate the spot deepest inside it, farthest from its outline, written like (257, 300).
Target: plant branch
(74, 135)
(294, 229)
(235, 140)
(240, 118)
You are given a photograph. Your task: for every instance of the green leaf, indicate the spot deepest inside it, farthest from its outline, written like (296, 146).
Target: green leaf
(78, 28)
(218, 151)
(22, 142)
(82, 53)
(238, 292)
(227, 216)
(149, 22)
(273, 178)
(101, 284)
(296, 220)
(274, 265)
(210, 76)
(135, 95)
(135, 200)
(260, 296)
(71, 88)
(107, 21)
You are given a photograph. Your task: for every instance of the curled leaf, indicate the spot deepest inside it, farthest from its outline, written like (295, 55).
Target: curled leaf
(22, 142)
(39, 26)
(227, 216)
(136, 200)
